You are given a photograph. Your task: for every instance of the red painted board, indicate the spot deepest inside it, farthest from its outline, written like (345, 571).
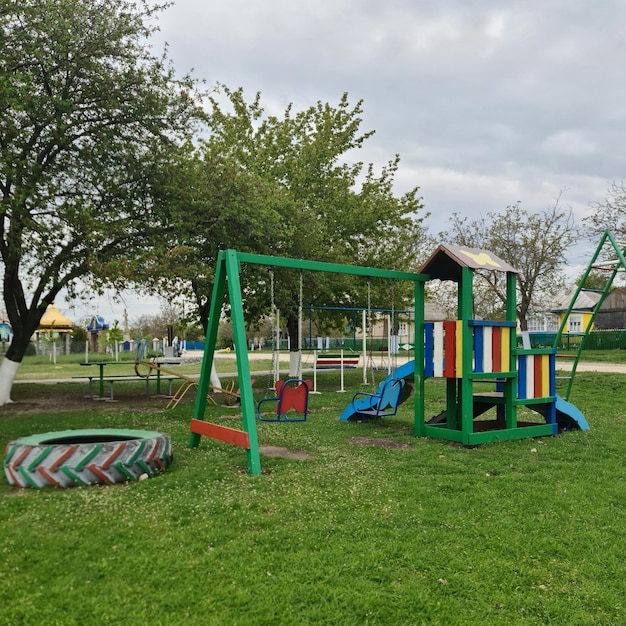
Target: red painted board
(222, 433)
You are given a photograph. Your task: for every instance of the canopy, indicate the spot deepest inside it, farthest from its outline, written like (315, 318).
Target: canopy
(54, 320)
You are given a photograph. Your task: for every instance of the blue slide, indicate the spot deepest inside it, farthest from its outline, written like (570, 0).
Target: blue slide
(366, 403)
(568, 416)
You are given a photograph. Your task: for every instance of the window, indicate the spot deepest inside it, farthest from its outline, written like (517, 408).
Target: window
(575, 323)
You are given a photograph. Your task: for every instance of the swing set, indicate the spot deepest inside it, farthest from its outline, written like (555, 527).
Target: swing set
(228, 276)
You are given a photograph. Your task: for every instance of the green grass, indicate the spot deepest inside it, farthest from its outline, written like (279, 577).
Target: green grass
(603, 356)
(67, 366)
(518, 532)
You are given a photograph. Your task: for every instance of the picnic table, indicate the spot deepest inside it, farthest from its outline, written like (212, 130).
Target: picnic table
(122, 378)
(102, 365)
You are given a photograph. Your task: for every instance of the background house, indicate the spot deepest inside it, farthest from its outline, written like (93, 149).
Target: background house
(581, 313)
(612, 313)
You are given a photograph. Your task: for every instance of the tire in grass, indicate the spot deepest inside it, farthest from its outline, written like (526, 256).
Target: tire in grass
(86, 457)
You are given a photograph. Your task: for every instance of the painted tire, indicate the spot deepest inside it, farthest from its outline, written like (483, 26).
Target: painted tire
(71, 458)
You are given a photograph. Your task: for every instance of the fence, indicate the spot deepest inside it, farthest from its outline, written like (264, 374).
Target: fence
(596, 340)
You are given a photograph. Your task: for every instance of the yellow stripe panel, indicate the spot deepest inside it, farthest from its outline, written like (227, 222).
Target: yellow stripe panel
(505, 349)
(459, 349)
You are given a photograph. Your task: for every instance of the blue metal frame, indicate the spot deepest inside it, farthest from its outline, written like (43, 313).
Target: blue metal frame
(280, 415)
(387, 396)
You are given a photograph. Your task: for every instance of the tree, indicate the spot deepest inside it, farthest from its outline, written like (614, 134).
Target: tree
(533, 243)
(284, 186)
(610, 214)
(88, 118)
(596, 280)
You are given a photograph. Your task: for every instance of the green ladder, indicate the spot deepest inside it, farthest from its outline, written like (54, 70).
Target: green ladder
(612, 267)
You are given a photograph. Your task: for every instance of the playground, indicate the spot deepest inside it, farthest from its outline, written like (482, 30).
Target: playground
(373, 525)
(467, 353)
(428, 512)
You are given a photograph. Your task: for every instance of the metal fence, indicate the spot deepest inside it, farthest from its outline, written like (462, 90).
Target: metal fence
(596, 340)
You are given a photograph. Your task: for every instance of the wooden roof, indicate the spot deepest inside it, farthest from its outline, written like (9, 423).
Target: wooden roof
(446, 262)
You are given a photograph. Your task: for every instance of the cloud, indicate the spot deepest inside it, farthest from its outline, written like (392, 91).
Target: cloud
(487, 102)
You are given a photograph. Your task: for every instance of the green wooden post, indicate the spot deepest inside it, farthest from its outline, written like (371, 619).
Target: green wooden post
(466, 312)
(243, 365)
(510, 384)
(217, 298)
(418, 376)
(228, 271)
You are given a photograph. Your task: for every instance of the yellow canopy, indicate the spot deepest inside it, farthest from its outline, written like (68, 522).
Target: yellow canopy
(54, 320)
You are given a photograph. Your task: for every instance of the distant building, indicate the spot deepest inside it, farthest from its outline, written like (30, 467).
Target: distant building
(542, 322)
(97, 328)
(581, 313)
(612, 313)
(54, 327)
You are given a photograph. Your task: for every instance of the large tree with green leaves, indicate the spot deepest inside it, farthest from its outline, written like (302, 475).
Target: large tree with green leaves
(533, 243)
(286, 186)
(88, 120)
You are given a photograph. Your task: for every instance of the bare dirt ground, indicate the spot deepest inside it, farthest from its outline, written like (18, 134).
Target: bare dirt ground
(47, 397)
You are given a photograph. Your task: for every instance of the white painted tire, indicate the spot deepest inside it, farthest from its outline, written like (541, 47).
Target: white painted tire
(86, 457)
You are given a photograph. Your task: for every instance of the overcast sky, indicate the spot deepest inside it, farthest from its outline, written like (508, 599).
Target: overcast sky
(487, 102)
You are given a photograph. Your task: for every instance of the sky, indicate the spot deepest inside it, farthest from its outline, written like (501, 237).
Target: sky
(487, 102)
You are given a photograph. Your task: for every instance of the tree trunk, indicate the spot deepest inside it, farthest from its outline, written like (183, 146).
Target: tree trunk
(12, 361)
(8, 371)
(295, 355)
(214, 379)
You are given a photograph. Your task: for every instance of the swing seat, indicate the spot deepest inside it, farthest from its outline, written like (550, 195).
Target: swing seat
(290, 394)
(383, 402)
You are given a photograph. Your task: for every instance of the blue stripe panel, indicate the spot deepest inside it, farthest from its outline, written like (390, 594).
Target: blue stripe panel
(479, 346)
(491, 323)
(521, 376)
(429, 350)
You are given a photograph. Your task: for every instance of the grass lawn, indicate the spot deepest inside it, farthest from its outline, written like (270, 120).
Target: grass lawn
(374, 527)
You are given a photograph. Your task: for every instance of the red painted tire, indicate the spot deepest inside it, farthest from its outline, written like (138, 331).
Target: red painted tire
(86, 457)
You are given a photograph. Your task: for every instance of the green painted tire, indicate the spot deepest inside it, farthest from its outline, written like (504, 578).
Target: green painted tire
(71, 458)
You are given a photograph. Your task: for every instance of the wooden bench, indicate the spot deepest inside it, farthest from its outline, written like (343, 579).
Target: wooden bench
(336, 361)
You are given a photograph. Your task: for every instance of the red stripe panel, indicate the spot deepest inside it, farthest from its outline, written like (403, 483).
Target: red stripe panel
(449, 346)
(222, 433)
(496, 349)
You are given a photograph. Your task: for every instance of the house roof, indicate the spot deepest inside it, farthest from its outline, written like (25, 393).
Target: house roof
(447, 261)
(615, 300)
(586, 301)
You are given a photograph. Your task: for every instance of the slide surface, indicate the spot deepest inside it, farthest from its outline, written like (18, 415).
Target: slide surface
(365, 403)
(568, 416)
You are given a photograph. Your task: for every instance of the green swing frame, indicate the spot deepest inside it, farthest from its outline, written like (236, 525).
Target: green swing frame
(228, 273)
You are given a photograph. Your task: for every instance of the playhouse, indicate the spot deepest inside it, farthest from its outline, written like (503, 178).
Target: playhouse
(465, 352)
(468, 351)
